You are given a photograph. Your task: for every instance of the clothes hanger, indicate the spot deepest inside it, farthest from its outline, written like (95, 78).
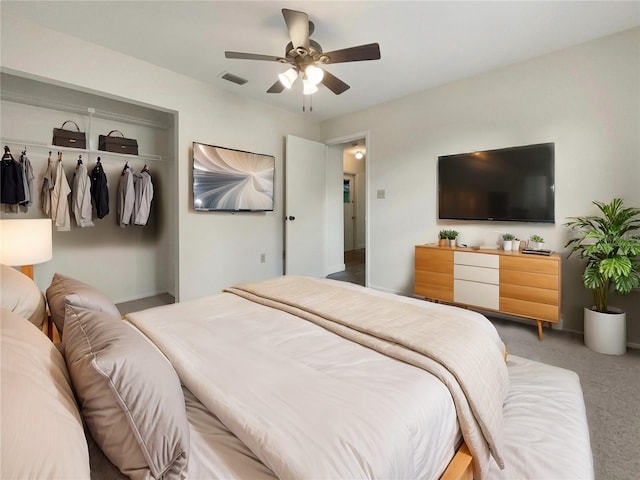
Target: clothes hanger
(7, 153)
(79, 159)
(126, 165)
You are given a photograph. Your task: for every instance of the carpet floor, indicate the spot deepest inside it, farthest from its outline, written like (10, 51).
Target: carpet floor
(611, 387)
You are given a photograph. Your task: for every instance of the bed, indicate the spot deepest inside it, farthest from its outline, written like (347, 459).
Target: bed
(295, 377)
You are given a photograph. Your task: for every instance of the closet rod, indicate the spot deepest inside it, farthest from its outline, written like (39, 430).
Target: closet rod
(28, 143)
(39, 102)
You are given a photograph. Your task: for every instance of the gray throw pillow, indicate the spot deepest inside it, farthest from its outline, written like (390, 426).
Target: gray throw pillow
(83, 296)
(129, 395)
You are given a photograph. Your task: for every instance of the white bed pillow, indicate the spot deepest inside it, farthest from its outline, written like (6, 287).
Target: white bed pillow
(83, 296)
(129, 395)
(20, 294)
(42, 433)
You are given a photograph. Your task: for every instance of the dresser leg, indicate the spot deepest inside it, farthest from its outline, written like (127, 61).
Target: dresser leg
(539, 322)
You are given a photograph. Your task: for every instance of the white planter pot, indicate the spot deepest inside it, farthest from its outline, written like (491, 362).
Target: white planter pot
(605, 332)
(452, 242)
(507, 244)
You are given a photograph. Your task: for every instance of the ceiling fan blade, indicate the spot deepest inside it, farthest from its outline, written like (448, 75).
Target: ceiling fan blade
(298, 26)
(276, 87)
(371, 51)
(334, 84)
(255, 56)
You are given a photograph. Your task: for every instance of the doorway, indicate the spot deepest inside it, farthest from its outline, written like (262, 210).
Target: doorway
(354, 213)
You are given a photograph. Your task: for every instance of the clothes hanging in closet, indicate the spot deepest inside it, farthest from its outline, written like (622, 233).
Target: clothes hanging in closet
(143, 187)
(27, 180)
(99, 190)
(59, 201)
(126, 197)
(81, 196)
(11, 182)
(48, 182)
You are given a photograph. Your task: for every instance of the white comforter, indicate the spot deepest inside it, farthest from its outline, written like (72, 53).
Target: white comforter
(307, 403)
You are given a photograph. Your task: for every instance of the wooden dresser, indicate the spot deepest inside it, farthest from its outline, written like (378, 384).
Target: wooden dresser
(511, 283)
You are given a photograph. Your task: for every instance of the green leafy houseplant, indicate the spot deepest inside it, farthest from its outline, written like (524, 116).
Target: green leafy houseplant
(611, 250)
(508, 236)
(536, 238)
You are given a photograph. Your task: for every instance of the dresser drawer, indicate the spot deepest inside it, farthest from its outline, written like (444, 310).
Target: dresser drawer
(477, 259)
(530, 294)
(523, 263)
(537, 311)
(434, 292)
(476, 294)
(433, 254)
(528, 279)
(476, 274)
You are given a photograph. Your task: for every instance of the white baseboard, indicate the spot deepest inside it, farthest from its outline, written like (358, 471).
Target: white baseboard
(336, 268)
(141, 295)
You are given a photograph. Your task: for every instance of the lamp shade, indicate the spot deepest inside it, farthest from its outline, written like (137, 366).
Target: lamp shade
(308, 87)
(25, 241)
(287, 78)
(314, 74)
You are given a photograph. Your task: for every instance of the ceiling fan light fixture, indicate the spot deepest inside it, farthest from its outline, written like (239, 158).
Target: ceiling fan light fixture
(309, 87)
(287, 78)
(314, 74)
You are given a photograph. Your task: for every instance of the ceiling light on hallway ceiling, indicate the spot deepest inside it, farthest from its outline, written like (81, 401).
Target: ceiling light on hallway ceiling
(359, 155)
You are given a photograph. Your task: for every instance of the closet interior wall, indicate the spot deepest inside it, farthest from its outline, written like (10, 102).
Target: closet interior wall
(125, 263)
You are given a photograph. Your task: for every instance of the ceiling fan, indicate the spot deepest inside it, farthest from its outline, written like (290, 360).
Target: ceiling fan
(307, 58)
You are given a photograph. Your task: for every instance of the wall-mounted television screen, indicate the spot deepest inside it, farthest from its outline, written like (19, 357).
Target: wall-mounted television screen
(508, 184)
(231, 180)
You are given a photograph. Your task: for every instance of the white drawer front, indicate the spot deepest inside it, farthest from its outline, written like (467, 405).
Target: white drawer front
(477, 274)
(476, 259)
(481, 295)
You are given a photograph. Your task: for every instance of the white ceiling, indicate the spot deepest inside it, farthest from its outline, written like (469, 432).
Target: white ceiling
(423, 44)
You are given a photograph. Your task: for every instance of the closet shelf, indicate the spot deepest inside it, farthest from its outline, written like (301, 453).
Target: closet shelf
(56, 148)
(80, 110)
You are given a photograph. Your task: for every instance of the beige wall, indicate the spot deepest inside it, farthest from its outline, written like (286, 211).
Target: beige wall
(209, 251)
(586, 99)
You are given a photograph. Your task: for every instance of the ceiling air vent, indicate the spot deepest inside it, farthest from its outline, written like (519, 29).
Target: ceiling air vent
(234, 78)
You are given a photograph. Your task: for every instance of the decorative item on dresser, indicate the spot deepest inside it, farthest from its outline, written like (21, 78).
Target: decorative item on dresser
(507, 282)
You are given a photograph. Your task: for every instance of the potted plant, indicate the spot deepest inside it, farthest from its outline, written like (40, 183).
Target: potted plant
(507, 241)
(443, 236)
(536, 242)
(453, 235)
(611, 250)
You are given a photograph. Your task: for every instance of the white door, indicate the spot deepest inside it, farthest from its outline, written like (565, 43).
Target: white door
(305, 188)
(349, 211)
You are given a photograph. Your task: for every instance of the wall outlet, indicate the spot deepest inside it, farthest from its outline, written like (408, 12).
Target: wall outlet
(263, 257)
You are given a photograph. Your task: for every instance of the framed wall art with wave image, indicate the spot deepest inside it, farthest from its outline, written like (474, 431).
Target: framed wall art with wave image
(231, 180)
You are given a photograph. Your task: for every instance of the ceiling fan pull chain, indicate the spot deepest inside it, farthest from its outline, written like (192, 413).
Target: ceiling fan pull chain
(311, 103)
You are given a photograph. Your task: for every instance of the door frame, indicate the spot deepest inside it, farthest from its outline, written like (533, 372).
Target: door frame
(352, 179)
(367, 204)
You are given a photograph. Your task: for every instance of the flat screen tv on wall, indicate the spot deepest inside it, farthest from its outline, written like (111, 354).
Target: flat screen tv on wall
(508, 184)
(231, 180)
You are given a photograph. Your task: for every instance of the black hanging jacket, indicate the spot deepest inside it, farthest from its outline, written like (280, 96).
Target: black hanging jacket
(99, 191)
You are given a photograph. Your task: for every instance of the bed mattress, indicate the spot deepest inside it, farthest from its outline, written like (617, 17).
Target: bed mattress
(296, 386)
